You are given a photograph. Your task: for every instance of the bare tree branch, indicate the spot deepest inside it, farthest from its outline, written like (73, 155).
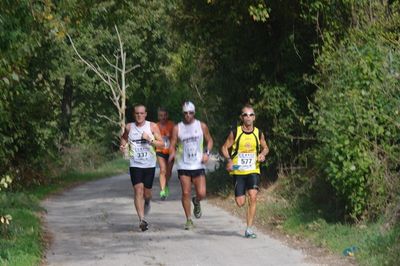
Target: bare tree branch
(113, 66)
(108, 119)
(116, 81)
(132, 68)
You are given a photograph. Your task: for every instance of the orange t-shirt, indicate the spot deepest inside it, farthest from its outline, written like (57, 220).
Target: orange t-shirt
(166, 133)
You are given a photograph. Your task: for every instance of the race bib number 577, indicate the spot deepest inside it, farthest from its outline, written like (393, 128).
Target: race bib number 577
(246, 161)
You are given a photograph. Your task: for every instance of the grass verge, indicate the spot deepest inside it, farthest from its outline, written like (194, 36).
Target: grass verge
(22, 240)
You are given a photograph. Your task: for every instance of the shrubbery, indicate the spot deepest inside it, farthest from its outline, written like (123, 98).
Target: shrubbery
(357, 122)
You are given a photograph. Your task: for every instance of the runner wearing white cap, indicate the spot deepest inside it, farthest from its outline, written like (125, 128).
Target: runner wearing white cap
(191, 156)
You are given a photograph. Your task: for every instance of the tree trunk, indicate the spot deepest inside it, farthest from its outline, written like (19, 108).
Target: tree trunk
(66, 109)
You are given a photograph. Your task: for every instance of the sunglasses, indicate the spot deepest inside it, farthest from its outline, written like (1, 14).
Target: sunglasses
(248, 114)
(190, 113)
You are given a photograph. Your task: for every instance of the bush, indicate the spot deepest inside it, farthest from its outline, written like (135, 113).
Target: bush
(79, 157)
(357, 122)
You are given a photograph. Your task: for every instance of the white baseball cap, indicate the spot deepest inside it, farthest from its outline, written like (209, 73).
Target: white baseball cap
(188, 107)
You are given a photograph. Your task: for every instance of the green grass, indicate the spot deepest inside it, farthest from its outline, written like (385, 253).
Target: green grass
(375, 245)
(73, 177)
(21, 241)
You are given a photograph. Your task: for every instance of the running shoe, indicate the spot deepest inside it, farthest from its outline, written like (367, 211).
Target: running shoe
(147, 207)
(189, 224)
(249, 234)
(144, 226)
(196, 208)
(163, 194)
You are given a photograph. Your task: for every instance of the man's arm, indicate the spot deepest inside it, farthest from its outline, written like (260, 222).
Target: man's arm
(225, 151)
(172, 146)
(209, 140)
(157, 140)
(264, 149)
(207, 137)
(124, 138)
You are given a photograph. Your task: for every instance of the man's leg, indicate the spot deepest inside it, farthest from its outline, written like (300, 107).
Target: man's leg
(139, 200)
(162, 162)
(252, 183)
(170, 165)
(240, 200)
(148, 185)
(200, 187)
(186, 185)
(163, 171)
(240, 190)
(251, 210)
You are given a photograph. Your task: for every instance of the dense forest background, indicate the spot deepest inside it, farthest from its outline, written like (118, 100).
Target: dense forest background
(323, 76)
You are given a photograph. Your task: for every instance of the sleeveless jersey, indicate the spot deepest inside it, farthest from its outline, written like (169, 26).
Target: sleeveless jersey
(190, 146)
(142, 154)
(166, 133)
(245, 152)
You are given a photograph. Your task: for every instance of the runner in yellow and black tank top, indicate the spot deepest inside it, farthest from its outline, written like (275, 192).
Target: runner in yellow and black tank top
(244, 149)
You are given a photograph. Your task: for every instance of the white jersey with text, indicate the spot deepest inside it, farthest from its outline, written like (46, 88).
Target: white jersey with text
(190, 147)
(141, 152)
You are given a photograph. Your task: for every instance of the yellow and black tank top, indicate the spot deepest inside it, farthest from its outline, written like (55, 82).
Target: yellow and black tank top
(245, 151)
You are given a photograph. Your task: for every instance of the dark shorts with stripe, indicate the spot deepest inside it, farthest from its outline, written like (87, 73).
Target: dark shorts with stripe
(142, 175)
(192, 173)
(162, 155)
(243, 183)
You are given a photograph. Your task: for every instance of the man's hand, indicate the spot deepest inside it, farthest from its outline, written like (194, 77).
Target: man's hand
(261, 157)
(147, 137)
(122, 147)
(205, 158)
(171, 157)
(229, 165)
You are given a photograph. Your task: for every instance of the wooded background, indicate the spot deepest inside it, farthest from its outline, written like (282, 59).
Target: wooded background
(322, 75)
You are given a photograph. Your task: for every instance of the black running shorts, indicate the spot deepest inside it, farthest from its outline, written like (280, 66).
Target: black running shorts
(192, 173)
(162, 155)
(243, 183)
(142, 175)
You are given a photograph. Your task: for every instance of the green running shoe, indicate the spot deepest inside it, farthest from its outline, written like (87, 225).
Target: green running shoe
(163, 194)
(196, 208)
(189, 224)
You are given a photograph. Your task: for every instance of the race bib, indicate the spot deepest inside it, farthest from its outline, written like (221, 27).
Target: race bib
(190, 153)
(246, 161)
(141, 154)
(166, 142)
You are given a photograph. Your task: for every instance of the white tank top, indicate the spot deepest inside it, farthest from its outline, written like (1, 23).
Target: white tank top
(141, 153)
(190, 147)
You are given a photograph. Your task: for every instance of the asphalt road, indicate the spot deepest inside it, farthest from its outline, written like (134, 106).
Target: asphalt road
(96, 224)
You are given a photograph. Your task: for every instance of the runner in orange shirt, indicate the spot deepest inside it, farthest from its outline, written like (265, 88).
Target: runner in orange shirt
(166, 127)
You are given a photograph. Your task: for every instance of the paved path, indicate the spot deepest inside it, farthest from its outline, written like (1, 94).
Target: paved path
(95, 224)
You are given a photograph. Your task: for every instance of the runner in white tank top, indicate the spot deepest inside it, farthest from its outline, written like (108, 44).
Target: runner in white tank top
(142, 137)
(191, 156)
